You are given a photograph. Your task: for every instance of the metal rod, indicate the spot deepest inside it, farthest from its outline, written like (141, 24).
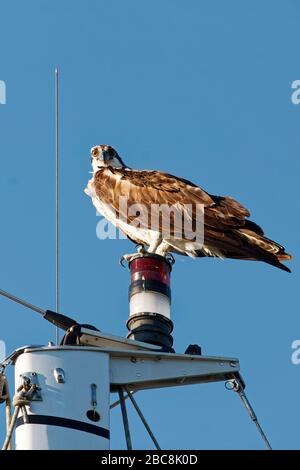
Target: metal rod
(143, 419)
(125, 419)
(253, 416)
(238, 387)
(264, 437)
(22, 302)
(56, 201)
(116, 403)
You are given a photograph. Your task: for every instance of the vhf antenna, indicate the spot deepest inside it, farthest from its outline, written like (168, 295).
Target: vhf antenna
(56, 200)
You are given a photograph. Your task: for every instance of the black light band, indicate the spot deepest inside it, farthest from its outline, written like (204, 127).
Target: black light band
(139, 286)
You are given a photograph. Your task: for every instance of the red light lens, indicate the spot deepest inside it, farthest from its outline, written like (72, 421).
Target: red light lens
(150, 269)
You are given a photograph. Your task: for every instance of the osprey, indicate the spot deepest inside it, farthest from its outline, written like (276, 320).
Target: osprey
(227, 231)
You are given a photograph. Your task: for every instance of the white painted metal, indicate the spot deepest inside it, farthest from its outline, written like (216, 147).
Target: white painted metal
(65, 375)
(70, 399)
(105, 340)
(145, 369)
(153, 302)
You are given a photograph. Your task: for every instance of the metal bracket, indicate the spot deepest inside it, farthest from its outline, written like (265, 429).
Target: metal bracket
(104, 340)
(59, 375)
(142, 370)
(31, 378)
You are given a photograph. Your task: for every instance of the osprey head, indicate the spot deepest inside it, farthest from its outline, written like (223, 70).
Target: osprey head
(105, 155)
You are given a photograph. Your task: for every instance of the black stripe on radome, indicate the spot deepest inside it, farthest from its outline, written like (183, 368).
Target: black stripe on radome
(65, 423)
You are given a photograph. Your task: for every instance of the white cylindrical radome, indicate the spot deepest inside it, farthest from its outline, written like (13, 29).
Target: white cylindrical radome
(73, 412)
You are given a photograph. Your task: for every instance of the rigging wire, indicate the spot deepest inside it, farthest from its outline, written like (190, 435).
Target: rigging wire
(142, 417)
(237, 386)
(125, 418)
(22, 302)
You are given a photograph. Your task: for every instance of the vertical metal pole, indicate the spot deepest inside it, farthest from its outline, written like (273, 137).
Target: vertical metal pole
(125, 418)
(56, 202)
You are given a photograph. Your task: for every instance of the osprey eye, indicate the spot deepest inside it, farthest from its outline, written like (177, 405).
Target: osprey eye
(95, 152)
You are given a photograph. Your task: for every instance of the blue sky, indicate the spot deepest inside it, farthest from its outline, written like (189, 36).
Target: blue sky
(201, 89)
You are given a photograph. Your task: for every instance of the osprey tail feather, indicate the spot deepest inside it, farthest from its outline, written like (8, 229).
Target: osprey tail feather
(246, 244)
(267, 250)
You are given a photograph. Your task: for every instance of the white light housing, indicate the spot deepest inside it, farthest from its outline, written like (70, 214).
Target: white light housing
(153, 302)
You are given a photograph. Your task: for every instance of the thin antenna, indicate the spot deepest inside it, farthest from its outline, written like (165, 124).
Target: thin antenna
(56, 204)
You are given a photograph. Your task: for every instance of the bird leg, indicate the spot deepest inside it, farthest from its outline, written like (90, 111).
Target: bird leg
(127, 258)
(154, 244)
(141, 249)
(158, 247)
(161, 248)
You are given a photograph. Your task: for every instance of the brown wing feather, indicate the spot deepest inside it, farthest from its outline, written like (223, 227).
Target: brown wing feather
(154, 187)
(226, 226)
